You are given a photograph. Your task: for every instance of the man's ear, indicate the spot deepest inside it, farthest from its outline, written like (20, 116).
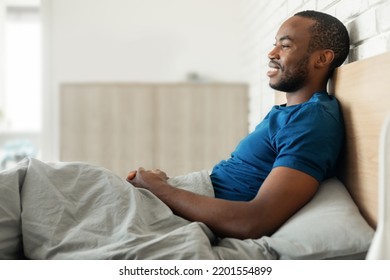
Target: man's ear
(324, 58)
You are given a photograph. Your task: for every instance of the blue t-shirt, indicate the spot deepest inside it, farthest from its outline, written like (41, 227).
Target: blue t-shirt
(306, 137)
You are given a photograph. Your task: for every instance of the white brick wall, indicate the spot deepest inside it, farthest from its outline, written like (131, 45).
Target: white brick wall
(368, 22)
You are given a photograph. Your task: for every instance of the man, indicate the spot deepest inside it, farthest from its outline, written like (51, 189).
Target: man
(276, 169)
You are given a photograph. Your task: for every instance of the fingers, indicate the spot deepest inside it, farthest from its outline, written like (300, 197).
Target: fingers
(160, 173)
(141, 172)
(131, 175)
(156, 171)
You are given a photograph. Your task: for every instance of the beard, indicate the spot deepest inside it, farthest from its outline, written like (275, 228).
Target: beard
(291, 81)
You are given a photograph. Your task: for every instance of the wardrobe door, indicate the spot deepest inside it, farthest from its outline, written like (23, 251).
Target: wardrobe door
(110, 125)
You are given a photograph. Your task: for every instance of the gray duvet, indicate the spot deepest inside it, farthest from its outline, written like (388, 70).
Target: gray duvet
(80, 211)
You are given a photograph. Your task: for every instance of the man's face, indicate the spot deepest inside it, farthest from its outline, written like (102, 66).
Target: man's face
(289, 59)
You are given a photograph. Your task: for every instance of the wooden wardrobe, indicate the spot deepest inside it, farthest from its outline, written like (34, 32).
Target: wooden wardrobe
(177, 128)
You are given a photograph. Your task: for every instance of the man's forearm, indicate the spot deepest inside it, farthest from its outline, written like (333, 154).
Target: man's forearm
(225, 218)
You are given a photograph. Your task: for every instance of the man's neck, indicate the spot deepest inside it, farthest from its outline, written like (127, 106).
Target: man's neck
(302, 95)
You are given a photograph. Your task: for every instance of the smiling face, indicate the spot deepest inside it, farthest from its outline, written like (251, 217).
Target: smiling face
(289, 66)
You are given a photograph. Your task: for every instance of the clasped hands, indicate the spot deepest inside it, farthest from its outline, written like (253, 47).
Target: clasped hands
(147, 179)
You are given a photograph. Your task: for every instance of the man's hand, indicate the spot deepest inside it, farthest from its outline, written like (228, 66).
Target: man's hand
(147, 179)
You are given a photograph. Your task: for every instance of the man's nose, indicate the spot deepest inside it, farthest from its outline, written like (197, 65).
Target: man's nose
(274, 54)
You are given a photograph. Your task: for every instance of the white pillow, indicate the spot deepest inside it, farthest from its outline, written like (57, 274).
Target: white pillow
(197, 182)
(330, 226)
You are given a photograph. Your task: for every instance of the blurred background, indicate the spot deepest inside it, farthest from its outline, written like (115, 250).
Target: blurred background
(170, 84)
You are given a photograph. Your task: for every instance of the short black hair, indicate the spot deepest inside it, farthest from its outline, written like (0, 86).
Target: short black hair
(328, 33)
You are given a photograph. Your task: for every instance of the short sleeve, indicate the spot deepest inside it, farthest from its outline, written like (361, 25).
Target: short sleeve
(310, 141)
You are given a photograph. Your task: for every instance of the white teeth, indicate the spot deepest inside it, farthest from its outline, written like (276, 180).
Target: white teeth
(273, 69)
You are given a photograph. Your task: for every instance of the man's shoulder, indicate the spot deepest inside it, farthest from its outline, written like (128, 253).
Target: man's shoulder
(321, 107)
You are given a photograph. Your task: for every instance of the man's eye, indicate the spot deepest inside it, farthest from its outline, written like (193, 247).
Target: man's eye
(283, 46)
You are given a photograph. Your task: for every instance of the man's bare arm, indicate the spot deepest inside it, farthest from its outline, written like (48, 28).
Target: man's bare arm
(283, 193)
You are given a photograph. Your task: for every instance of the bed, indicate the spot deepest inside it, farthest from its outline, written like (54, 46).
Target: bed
(73, 210)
